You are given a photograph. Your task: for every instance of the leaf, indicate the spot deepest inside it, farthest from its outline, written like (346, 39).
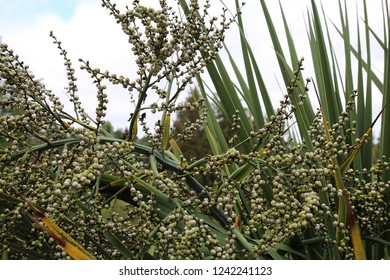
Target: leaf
(275, 255)
(161, 197)
(117, 206)
(352, 154)
(9, 198)
(237, 222)
(241, 173)
(284, 247)
(212, 127)
(134, 128)
(356, 236)
(166, 130)
(153, 164)
(177, 152)
(116, 242)
(377, 240)
(71, 246)
(244, 242)
(229, 98)
(4, 255)
(345, 213)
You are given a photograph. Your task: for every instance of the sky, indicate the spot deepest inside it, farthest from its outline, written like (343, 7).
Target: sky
(88, 31)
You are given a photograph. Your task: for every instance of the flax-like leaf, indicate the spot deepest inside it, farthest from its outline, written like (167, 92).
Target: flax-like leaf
(71, 246)
(134, 127)
(153, 164)
(229, 98)
(348, 81)
(345, 213)
(384, 148)
(322, 67)
(218, 143)
(252, 94)
(356, 236)
(377, 240)
(367, 153)
(177, 152)
(161, 197)
(275, 255)
(166, 131)
(352, 154)
(366, 64)
(274, 37)
(175, 147)
(262, 87)
(286, 248)
(116, 242)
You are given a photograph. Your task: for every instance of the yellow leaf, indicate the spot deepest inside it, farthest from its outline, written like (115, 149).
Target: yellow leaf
(262, 152)
(134, 128)
(177, 152)
(356, 238)
(166, 128)
(238, 221)
(345, 208)
(352, 154)
(71, 246)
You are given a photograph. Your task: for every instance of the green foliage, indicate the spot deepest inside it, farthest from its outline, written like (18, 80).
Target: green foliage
(319, 151)
(259, 191)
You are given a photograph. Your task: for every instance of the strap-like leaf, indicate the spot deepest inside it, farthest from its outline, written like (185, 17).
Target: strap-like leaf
(345, 213)
(166, 128)
(352, 154)
(71, 246)
(177, 152)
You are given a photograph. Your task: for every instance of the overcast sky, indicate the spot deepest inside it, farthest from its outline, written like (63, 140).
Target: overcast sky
(87, 31)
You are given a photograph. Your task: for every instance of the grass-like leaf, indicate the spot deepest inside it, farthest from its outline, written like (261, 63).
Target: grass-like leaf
(71, 246)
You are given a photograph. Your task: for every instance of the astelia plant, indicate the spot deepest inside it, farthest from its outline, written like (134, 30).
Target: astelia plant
(69, 189)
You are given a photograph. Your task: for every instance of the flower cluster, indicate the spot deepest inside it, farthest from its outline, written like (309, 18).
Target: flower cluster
(168, 47)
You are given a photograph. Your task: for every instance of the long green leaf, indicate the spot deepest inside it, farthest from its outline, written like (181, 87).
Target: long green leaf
(286, 248)
(212, 123)
(384, 148)
(71, 246)
(229, 98)
(252, 94)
